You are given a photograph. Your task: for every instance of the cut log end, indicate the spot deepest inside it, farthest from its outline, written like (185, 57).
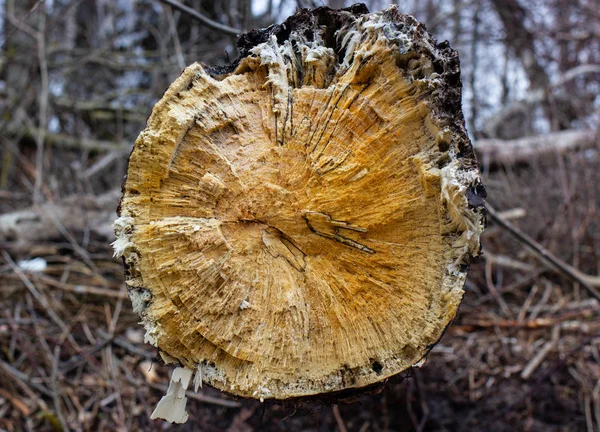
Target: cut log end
(301, 223)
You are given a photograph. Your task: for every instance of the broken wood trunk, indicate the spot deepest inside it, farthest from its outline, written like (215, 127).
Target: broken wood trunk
(301, 221)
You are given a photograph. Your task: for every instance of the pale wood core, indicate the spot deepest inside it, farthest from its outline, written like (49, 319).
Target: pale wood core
(300, 225)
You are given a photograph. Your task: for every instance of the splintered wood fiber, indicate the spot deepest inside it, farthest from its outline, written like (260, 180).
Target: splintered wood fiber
(300, 224)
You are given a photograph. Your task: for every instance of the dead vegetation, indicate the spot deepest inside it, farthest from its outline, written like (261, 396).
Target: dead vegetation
(522, 354)
(524, 349)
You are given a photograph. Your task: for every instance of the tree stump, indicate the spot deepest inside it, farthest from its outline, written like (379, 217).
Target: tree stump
(301, 221)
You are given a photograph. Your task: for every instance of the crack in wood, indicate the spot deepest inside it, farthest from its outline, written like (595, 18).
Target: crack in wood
(323, 113)
(324, 225)
(326, 125)
(278, 245)
(288, 116)
(333, 162)
(342, 117)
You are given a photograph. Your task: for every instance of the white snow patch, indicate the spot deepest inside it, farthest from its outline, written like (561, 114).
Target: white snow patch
(33, 265)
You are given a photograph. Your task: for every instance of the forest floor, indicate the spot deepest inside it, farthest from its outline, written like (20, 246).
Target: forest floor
(522, 354)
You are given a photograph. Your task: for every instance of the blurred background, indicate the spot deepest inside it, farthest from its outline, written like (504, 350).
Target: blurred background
(78, 79)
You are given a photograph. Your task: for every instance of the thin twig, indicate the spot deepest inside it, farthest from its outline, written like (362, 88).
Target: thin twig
(527, 303)
(55, 389)
(504, 261)
(589, 282)
(119, 341)
(41, 299)
(78, 249)
(176, 42)
(68, 141)
(197, 15)
(43, 105)
(79, 359)
(535, 324)
(104, 162)
(82, 289)
(494, 291)
(544, 300)
(596, 399)
(338, 419)
(541, 355)
(23, 379)
(16, 402)
(19, 24)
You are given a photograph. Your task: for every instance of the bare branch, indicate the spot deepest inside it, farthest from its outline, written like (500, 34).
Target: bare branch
(43, 106)
(197, 15)
(68, 141)
(591, 283)
(36, 294)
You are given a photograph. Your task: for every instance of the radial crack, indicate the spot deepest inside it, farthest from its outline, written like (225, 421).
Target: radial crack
(322, 224)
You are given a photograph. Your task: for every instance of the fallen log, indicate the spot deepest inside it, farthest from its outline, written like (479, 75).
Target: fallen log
(301, 222)
(529, 149)
(75, 213)
(70, 142)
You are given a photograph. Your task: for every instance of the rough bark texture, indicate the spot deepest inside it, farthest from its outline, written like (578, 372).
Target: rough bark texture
(302, 222)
